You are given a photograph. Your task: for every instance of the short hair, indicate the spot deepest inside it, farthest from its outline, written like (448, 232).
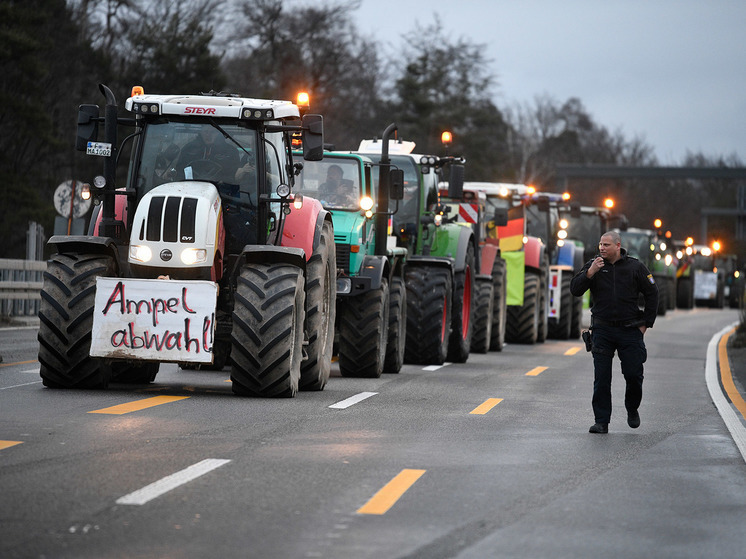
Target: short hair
(615, 237)
(335, 168)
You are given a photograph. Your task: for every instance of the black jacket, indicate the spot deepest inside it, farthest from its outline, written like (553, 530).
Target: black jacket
(615, 289)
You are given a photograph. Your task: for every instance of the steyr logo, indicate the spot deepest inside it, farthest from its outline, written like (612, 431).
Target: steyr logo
(199, 110)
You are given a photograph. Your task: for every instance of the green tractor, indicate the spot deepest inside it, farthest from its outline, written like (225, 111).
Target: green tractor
(441, 267)
(371, 294)
(657, 253)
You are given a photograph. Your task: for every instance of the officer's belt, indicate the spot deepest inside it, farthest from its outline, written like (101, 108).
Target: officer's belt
(616, 323)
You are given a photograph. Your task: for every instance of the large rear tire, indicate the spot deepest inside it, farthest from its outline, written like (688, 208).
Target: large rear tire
(397, 326)
(482, 323)
(66, 321)
(523, 321)
(363, 333)
(428, 314)
(559, 329)
(500, 308)
(685, 293)
(321, 296)
(267, 336)
(461, 317)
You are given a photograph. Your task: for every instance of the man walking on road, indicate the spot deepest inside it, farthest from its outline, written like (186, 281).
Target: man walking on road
(617, 324)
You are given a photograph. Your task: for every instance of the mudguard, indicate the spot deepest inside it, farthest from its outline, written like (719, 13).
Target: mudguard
(534, 249)
(566, 255)
(488, 253)
(85, 244)
(466, 237)
(440, 261)
(271, 254)
(302, 227)
(375, 268)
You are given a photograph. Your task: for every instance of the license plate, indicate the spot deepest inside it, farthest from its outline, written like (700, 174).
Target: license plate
(98, 148)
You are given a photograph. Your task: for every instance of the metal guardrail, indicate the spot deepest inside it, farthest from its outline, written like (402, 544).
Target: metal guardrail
(20, 286)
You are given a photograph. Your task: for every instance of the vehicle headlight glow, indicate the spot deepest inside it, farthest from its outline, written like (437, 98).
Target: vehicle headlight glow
(562, 234)
(366, 203)
(140, 253)
(190, 256)
(438, 220)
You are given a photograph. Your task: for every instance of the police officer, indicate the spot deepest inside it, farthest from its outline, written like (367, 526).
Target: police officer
(617, 324)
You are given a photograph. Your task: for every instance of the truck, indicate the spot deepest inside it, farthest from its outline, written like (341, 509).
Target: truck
(202, 256)
(440, 275)
(371, 293)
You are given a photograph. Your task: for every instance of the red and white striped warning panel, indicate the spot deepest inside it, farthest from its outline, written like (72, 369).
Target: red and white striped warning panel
(468, 213)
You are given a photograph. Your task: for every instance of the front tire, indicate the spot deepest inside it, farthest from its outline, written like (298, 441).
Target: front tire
(523, 321)
(500, 307)
(397, 326)
(428, 314)
(321, 296)
(461, 316)
(66, 321)
(267, 336)
(363, 333)
(483, 311)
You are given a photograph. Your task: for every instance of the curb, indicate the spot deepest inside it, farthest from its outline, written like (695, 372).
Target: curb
(725, 408)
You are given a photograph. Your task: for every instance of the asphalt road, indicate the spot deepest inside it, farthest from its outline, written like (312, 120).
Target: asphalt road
(491, 458)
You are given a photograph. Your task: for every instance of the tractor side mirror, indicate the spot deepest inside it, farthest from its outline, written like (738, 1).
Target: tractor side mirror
(313, 137)
(456, 182)
(396, 184)
(575, 210)
(501, 217)
(87, 126)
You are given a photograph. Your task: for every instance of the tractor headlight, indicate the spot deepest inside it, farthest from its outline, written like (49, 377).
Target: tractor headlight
(140, 253)
(366, 203)
(190, 256)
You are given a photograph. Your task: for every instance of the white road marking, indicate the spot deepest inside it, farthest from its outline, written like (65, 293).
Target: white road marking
(17, 385)
(166, 484)
(352, 400)
(435, 367)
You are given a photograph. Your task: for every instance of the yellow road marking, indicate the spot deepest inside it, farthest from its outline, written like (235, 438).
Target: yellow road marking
(139, 405)
(726, 377)
(391, 492)
(18, 363)
(486, 406)
(8, 444)
(536, 371)
(572, 350)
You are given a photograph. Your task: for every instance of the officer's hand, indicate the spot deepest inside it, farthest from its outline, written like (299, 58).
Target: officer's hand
(643, 328)
(597, 264)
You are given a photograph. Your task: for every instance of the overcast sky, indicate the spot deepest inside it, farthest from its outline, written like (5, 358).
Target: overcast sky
(672, 72)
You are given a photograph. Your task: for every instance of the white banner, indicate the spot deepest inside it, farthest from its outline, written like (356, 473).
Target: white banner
(154, 320)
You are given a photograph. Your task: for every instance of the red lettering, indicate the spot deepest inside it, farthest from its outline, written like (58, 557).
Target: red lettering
(119, 338)
(187, 340)
(206, 330)
(118, 291)
(184, 303)
(199, 110)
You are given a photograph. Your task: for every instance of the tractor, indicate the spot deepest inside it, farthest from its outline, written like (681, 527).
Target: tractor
(201, 257)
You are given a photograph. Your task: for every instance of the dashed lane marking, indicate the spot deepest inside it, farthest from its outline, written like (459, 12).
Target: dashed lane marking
(390, 493)
(352, 400)
(536, 371)
(435, 367)
(168, 483)
(8, 444)
(572, 350)
(138, 405)
(17, 363)
(485, 406)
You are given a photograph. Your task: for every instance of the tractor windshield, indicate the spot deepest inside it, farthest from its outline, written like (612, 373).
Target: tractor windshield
(177, 150)
(333, 181)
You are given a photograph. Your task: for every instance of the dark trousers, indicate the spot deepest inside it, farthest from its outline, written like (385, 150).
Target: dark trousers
(630, 347)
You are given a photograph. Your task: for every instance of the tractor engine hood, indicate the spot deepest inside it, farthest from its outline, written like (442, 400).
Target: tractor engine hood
(176, 226)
